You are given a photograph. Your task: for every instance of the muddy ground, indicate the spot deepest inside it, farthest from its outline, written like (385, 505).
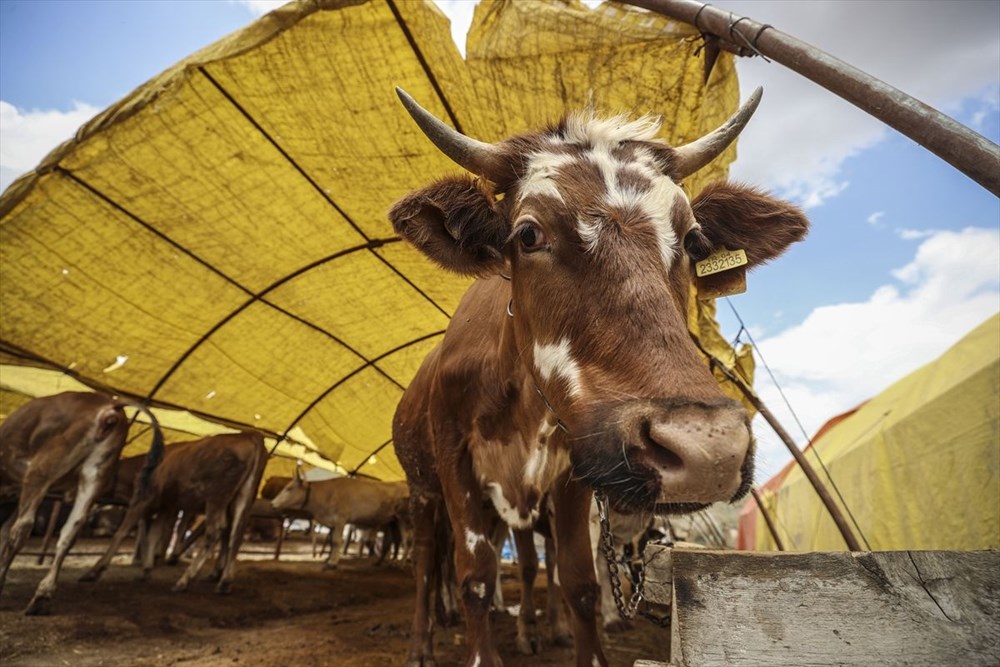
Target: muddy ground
(285, 613)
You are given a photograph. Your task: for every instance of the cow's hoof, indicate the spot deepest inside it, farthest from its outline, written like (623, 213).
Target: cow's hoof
(618, 625)
(224, 588)
(89, 577)
(39, 606)
(329, 566)
(144, 577)
(179, 587)
(563, 641)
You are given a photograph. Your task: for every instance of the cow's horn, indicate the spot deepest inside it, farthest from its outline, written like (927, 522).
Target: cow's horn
(691, 157)
(480, 158)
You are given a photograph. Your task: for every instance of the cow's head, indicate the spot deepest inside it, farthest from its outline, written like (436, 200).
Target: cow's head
(295, 495)
(599, 240)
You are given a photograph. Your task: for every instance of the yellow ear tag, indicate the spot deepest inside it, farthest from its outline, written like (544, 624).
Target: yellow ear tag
(722, 273)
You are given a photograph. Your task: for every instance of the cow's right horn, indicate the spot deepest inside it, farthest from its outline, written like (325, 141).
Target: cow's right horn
(480, 158)
(695, 155)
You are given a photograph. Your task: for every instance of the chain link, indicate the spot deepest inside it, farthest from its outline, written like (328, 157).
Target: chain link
(627, 610)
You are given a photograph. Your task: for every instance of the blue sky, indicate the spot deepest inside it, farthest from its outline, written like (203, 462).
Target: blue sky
(904, 253)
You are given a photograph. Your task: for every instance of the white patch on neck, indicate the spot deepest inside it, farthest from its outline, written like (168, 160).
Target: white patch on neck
(557, 360)
(473, 540)
(510, 516)
(534, 467)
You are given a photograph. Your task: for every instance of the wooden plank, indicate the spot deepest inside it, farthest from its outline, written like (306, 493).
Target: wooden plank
(883, 608)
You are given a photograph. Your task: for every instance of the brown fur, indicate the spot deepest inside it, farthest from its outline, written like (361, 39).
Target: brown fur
(477, 427)
(218, 476)
(67, 441)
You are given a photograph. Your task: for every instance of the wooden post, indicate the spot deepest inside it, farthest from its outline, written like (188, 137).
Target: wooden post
(969, 152)
(869, 609)
(767, 519)
(807, 469)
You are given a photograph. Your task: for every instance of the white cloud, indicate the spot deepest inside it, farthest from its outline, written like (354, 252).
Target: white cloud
(27, 136)
(843, 354)
(944, 54)
(914, 234)
(261, 7)
(875, 217)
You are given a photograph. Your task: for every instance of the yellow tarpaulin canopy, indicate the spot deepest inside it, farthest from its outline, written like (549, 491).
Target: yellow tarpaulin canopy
(217, 241)
(918, 466)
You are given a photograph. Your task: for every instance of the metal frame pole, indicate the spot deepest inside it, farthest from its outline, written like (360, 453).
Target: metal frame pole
(969, 152)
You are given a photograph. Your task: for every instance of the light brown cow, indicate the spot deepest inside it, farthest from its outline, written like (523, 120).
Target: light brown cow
(568, 365)
(217, 476)
(57, 443)
(342, 500)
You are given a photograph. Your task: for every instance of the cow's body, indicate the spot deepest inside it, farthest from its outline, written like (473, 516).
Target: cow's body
(568, 365)
(67, 441)
(216, 476)
(365, 503)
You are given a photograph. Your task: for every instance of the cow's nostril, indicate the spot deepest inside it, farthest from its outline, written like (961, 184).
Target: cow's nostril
(661, 452)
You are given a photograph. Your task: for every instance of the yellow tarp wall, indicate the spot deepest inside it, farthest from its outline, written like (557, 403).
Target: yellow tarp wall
(918, 465)
(224, 226)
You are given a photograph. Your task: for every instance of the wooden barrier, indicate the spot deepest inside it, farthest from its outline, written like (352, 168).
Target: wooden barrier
(884, 608)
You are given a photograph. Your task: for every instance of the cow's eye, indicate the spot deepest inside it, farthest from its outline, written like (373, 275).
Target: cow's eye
(530, 236)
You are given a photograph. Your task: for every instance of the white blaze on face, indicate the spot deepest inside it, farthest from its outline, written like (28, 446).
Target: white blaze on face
(653, 201)
(556, 361)
(539, 179)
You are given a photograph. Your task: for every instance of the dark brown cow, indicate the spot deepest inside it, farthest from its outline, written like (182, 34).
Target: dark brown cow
(67, 441)
(568, 365)
(217, 476)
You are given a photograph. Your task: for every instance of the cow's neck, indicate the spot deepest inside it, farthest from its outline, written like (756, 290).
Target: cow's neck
(519, 449)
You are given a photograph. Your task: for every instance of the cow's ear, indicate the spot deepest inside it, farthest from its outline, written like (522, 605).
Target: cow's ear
(737, 216)
(454, 222)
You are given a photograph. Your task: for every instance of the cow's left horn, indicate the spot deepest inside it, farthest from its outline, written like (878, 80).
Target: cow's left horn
(695, 155)
(480, 158)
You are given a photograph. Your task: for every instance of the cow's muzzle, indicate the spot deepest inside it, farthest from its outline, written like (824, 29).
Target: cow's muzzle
(667, 455)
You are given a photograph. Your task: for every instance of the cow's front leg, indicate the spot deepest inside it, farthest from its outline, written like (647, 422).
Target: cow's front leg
(576, 568)
(475, 560)
(335, 530)
(425, 511)
(555, 605)
(527, 622)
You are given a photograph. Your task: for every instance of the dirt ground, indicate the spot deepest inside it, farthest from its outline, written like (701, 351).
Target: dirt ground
(289, 612)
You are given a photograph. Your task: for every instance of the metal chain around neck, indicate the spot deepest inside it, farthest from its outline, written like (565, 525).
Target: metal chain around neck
(627, 610)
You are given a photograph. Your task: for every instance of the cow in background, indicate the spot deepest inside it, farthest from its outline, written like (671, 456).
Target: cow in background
(568, 366)
(342, 500)
(69, 441)
(217, 476)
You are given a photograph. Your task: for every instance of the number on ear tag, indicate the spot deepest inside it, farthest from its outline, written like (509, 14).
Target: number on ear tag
(719, 261)
(723, 273)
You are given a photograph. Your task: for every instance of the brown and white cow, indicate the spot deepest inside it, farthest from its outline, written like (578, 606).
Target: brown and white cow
(568, 365)
(217, 476)
(58, 443)
(342, 500)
